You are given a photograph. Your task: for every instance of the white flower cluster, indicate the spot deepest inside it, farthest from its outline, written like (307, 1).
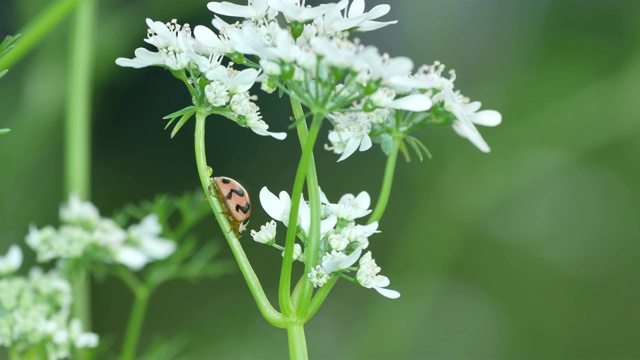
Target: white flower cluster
(85, 234)
(312, 58)
(342, 240)
(35, 317)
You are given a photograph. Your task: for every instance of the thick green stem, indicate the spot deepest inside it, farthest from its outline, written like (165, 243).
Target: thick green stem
(77, 140)
(36, 30)
(297, 342)
(389, 170)
(313, 240)
(296, 195)
(136, 320)
(265, 307)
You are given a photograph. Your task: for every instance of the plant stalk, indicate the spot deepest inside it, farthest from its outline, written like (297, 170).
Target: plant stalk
(136, 321)
(77, 137)
(385, 191)
(266, 309)
(297, 342)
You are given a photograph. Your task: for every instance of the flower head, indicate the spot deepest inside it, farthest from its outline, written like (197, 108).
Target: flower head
(368, 277)
(12, 261)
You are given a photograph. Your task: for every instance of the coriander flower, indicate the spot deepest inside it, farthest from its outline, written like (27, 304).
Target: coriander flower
(297, 11)
(368, 277)
(255, 9)
(79, 212)
(338, 260)
(34, 313)
(354, 17)
(12, 261)
(267, 233)
(174, 43)
(318, 276)
(144, 244)
(279, 208)
(484, 118)
(297, 253)
(352, 207)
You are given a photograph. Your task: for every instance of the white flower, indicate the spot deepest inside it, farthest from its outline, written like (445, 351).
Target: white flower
(386, 97)
(173, 41)
(296, 10)
(12, 261)
(351, 133)
(359, 234)
(318, 277)
(79, 212)
(255, 9)
(484, 118)
(352, 207)
(267, 233)
(355, 18)
(338, 260)
(216, 93)
(260, 127)
(280, 207)
(368, 277)
(338, 241)
(145, 244)
(297, 253)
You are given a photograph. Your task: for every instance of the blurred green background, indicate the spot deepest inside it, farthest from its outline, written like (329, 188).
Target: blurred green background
(530, 252)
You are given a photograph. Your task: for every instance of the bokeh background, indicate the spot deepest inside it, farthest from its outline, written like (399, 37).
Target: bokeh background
(530, 252)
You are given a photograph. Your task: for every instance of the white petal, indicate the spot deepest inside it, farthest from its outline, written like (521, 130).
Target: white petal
(244, 80)
(365, 144)
(416, 102)
(158, 248)
(487, 118)
(274, 206)
(14, 257)
(356, 8)
(352, 146)
(207, 37)
(304, 216)
(473, 136)
(342, 263)
(363, 200)
(391, 294)
(132, 258)
(327, 224)
(230, 9)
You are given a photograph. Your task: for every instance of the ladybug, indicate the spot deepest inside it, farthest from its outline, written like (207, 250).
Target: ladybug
(235, 200)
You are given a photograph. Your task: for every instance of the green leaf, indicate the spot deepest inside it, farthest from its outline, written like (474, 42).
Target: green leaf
(180, 123)
(4, 131)
(418, 147)
(173, 116)
(405, 152)
(415, 147)
(7, 44)
(3, 72)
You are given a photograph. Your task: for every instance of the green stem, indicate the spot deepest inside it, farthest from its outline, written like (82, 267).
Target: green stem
(266, 309)
(389, 170)
(136, 320)
(297, 342)
(78, 137)
(36, 30)
(313, 239)
(296, 194)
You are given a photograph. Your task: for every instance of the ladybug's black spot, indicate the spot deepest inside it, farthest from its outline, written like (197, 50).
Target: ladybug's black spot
(238, 192)
(226, 181)
(244, 209)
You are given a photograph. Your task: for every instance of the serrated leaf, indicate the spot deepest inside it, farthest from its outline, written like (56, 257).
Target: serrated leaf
(180, 123)
(4, 131)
